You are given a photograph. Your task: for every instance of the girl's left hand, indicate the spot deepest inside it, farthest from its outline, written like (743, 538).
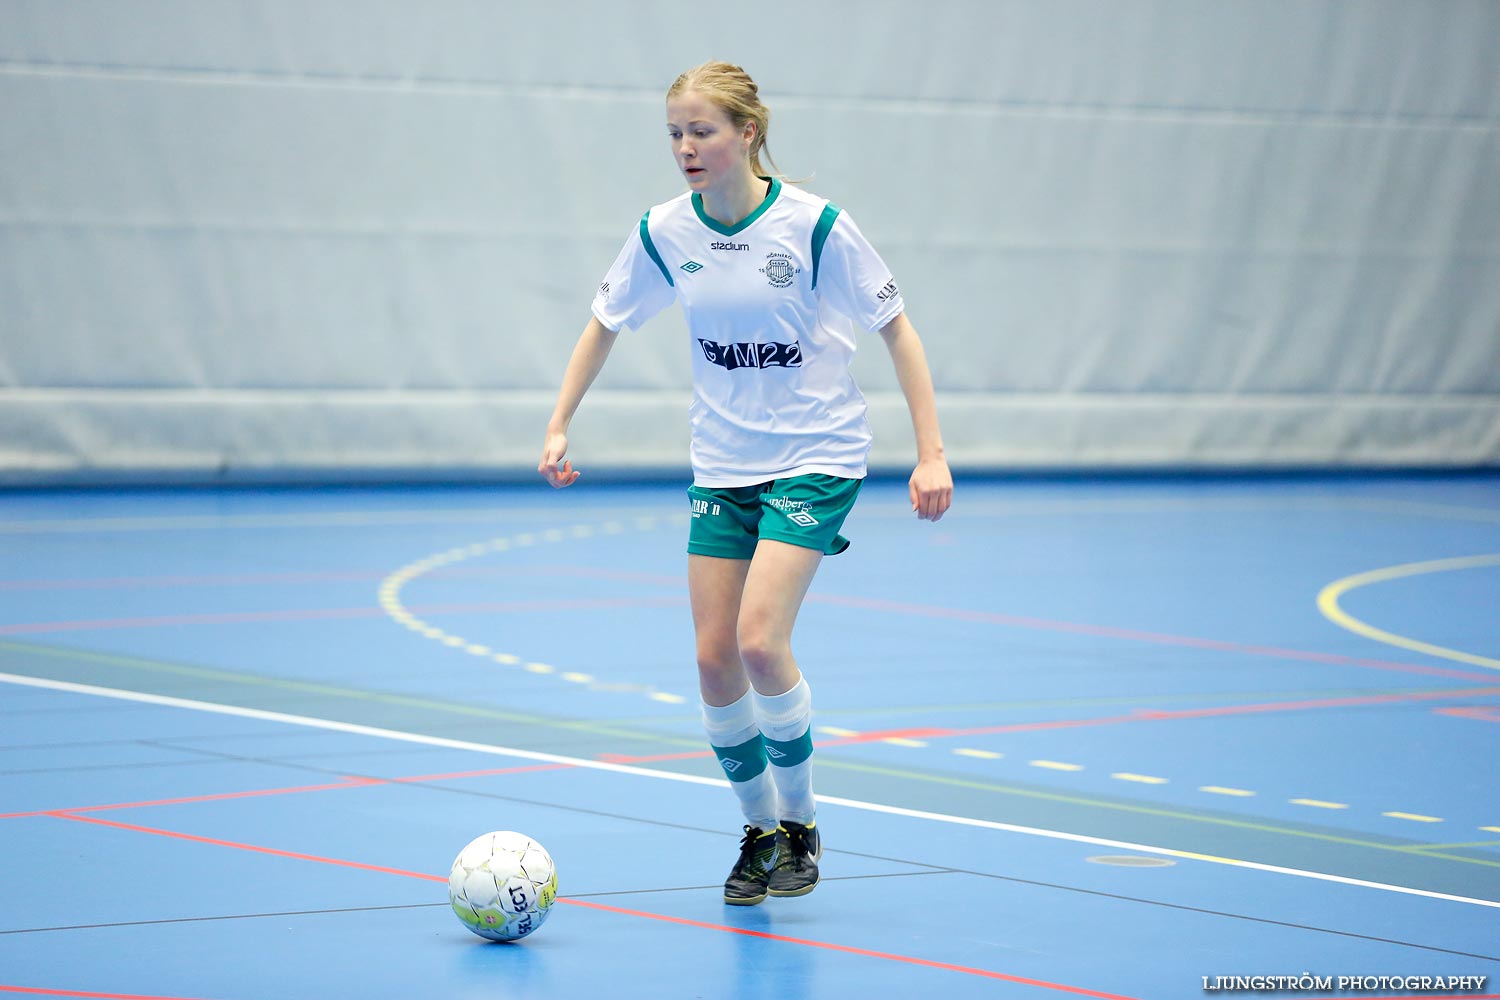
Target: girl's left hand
(931, 488)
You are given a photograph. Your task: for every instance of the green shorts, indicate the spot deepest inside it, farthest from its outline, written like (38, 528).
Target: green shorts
(803, 510)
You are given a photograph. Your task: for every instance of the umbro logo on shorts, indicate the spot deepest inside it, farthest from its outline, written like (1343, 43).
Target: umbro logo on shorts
(802, 518)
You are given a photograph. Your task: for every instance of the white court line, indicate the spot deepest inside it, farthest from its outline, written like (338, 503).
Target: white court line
(644, 772)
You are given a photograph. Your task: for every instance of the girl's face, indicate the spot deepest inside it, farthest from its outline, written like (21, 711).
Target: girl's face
(708, 149)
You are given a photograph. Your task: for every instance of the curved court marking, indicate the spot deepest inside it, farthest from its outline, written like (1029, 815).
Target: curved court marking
(391, 603)
(1328, 604)
(693, 779)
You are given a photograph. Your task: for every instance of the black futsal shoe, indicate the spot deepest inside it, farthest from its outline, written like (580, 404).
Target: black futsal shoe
(798, 849)
(746, 884)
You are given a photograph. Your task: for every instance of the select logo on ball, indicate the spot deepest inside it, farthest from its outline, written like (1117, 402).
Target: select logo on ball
(502, 885)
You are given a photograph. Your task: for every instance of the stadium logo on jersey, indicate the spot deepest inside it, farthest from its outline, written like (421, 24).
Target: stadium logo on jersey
(716, 245)
(780, 270)
(888, 292)
(692, 266)
(733, 356)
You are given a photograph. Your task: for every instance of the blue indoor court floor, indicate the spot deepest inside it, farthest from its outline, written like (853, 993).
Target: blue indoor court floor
(1096, 737)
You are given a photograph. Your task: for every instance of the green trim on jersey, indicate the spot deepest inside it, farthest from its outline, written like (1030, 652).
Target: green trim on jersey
(744, 223)
(651, 249)
(820, 236)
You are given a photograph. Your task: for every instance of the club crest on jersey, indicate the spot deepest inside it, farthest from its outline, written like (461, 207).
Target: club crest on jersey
(780, 270)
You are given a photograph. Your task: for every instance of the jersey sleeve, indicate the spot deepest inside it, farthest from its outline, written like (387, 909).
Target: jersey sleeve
(637, 285)
(851, 277)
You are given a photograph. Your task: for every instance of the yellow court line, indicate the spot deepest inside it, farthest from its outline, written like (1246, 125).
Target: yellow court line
(1328, 604)
(1414, 817)
(1419, 848)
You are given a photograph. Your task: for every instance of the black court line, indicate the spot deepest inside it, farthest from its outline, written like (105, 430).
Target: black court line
(407, 906)
(1221, 913)
(932, 869)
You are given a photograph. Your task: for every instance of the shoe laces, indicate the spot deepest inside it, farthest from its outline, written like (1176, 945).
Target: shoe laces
(796, 841)
(748, 844)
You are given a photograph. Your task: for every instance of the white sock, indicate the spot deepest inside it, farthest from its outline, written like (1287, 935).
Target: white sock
(786, 722)
(737, 742)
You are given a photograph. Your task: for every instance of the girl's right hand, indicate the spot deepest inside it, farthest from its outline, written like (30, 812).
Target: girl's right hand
(553, 450)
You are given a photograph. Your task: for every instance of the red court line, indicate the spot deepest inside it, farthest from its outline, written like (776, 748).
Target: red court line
(38, 991)
(1289, 706)
(1139, 715)
(483, 773)
(243, 847)
(1157, 715)
(196, 582)
(847, 949)
(1486, 713)
(327, 576)
(351, 782)
(807, 942)
(929, 611)
(347, 783)
(625, 758)
(1160, 638)
(333, 614)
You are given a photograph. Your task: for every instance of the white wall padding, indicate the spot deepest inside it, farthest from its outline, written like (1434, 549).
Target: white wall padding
(262, 239)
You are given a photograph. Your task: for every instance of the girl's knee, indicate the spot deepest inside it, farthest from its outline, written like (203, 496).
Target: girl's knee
(762, 651)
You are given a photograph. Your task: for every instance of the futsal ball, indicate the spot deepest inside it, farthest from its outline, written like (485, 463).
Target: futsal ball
(502, 885)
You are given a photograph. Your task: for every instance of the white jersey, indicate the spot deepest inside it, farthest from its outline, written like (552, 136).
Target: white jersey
(768, 304)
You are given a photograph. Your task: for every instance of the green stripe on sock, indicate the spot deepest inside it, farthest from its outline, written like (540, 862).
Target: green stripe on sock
(792, 752)
(743, 762)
